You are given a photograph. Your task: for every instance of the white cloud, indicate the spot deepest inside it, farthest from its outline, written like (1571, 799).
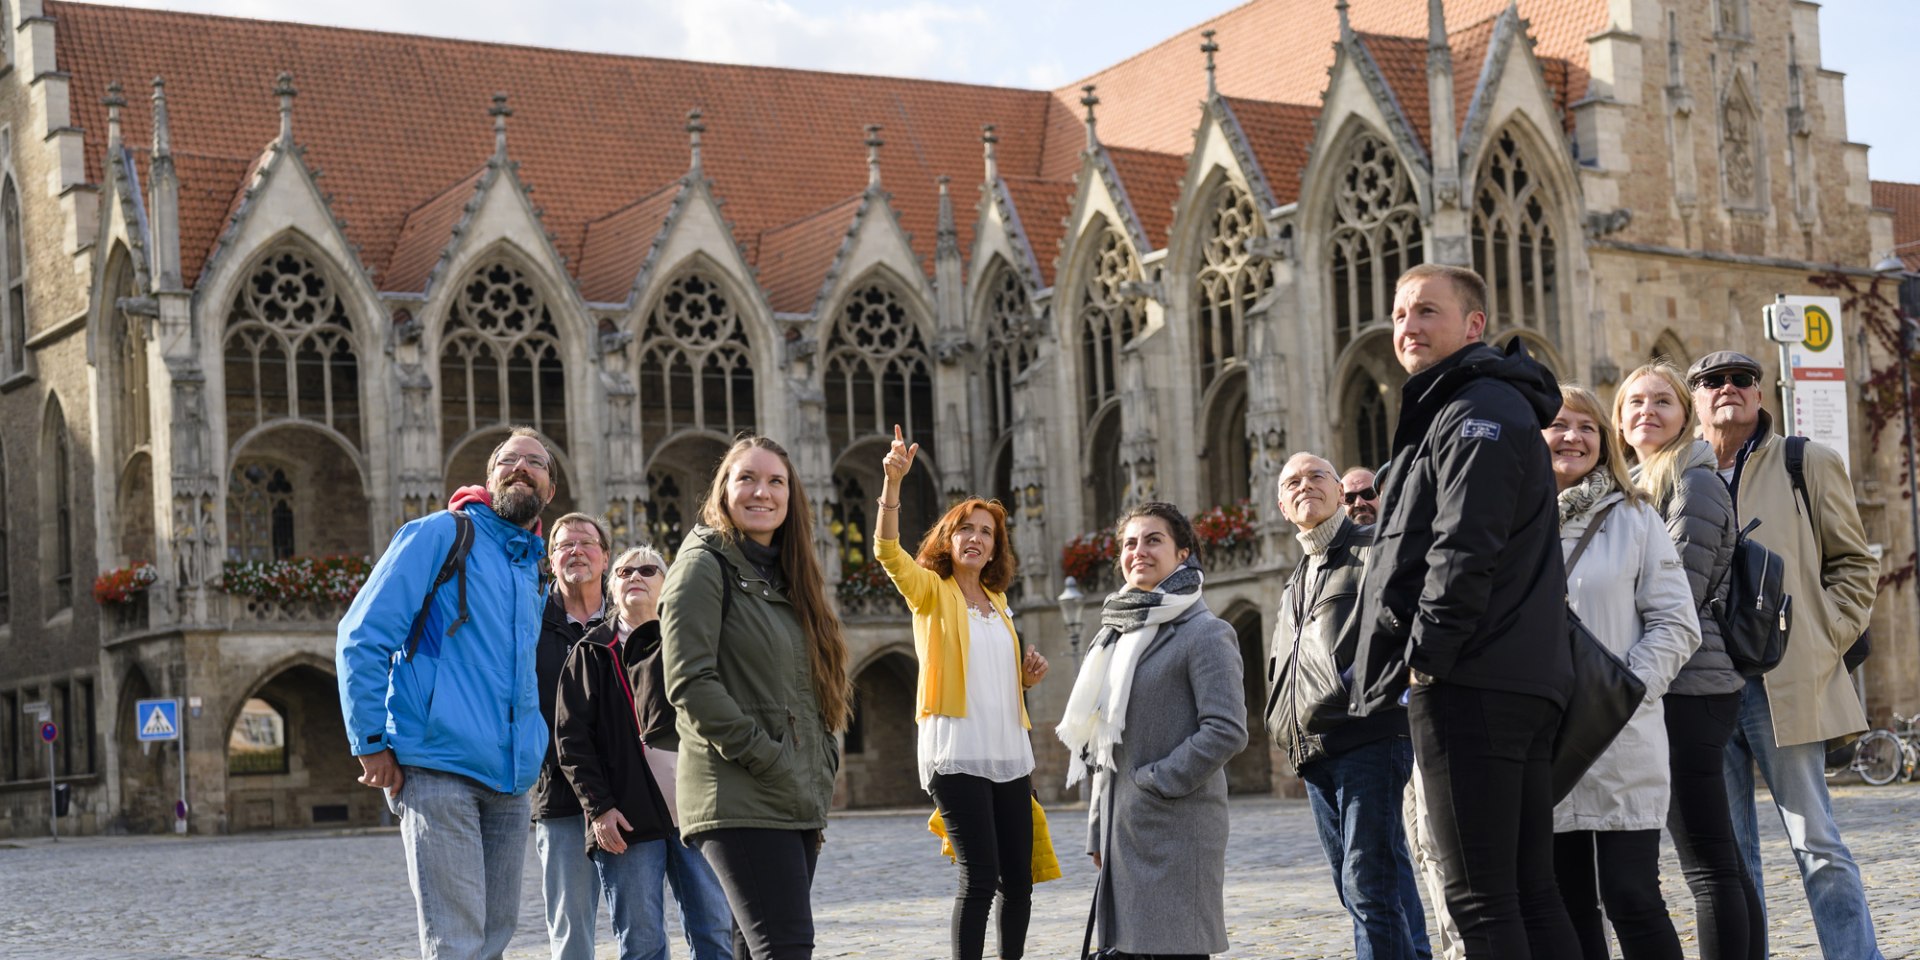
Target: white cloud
(915, 39)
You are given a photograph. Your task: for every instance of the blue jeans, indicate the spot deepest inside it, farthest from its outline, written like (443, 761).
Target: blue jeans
(569, 885)
(1356, 799)
(633, 883)
(465, 847)
(1797, 777)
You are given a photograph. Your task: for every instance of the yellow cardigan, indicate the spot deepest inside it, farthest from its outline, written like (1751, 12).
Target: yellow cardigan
(940, 633)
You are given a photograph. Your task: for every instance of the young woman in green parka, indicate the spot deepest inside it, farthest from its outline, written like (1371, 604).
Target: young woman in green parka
(756, 666)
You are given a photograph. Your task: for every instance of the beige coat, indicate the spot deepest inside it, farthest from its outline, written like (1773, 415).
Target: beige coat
(1831, 577)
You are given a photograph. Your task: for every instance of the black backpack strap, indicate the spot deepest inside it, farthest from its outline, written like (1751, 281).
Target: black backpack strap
(453, 567)
(1797, 472)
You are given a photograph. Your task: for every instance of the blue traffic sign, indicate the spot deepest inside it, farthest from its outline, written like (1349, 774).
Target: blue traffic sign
(49, 732)
(156, 719)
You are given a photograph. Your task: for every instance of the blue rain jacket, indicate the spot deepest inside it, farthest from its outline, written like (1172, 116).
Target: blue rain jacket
(466, 704)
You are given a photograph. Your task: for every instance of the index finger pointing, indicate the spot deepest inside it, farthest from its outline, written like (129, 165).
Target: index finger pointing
(896, 434)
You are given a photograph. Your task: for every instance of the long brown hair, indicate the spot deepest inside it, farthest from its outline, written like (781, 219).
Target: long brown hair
(806, 588)
(1661, 470)
(1612, 449)
(936, 548)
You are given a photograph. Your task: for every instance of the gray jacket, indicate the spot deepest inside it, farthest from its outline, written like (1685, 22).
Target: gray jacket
(1160, 825)
(1701, 521)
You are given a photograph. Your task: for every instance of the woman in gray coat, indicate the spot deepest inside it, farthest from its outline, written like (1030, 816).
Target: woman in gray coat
(1156, 713)
(1654, 415)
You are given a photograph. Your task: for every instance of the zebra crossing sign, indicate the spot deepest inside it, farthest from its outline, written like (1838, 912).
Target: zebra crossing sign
(156, 719)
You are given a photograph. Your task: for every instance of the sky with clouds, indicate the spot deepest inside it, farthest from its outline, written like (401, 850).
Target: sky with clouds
(1025, 43)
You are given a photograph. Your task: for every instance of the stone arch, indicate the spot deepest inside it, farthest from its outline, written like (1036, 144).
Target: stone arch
(1367, 365)
(1519, 241)
(1009, 341)
(290, 771)
(1102, 319)
(1105, 481)
(296, 489)
(876, 364)
(1227, 280)
(1669, 346)
(466, 465)
(695, 360)
(1226, 459)
(678, 478)
(502, 352)
(881, 765)
(14, 325)
(291, 347)
(1000, 477)
(1373, 231)
(133, 510)
(59, 512)
(147, 771)
(851, 514)
(1251, 770)
(122, 358)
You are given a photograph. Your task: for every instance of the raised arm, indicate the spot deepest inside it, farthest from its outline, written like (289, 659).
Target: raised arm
(898, 461)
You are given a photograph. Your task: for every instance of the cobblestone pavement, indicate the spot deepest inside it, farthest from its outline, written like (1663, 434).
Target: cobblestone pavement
(882, 891)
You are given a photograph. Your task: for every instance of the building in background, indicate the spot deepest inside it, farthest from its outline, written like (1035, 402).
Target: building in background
(271, 289)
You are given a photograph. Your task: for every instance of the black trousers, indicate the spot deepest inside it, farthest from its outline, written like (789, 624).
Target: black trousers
(1484, 760)
(1731, 920)
(1620, 868)
(768, 879)
(991, 826)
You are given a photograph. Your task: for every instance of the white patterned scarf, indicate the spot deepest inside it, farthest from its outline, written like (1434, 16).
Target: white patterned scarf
(1096, 713)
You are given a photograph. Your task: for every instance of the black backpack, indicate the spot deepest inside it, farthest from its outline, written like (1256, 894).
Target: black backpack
(1757, 615)
(1797, 472)
(454, 566)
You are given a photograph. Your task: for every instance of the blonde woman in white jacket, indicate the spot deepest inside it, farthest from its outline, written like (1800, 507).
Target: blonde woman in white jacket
(1630, 589)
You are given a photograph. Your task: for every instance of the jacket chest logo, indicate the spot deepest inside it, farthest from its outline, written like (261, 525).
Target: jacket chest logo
(1479, 430)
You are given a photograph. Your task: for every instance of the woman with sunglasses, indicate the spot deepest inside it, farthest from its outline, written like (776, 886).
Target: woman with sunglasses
(756, 666)
(1654, 415)
(975, 758)
(1625, 583)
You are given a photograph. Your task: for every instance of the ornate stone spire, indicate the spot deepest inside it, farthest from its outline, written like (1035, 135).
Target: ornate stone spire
(114, 102)
(1346, 29)
(283, 88)
(1090, 101)
(500, 112)
(163, 200)
(162, 131)
(988, 140)
(874, 143)
(948, 234)
(1437, 26)
(1210, 48)
(695, 127)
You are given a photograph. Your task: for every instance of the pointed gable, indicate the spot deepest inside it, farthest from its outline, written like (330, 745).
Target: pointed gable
(620, 245)
(1151, 183)
(427, 233)
(1040, 210)
(794, 258)
(1279, 135)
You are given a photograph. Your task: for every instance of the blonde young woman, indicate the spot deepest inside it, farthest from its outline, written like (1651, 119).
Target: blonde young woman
(1624, 581)
(975, 758)
(1654, 415)
(756, 665)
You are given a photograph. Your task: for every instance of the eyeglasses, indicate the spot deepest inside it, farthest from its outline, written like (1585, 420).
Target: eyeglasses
(1355, 496)
(579, 546)
(1714, 381)
(647, 570)
(534, 460)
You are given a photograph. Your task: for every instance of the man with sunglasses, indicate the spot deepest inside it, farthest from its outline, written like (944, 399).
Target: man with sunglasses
(577, 555)
(1362, 500)
(1787, 715)
(441, 707)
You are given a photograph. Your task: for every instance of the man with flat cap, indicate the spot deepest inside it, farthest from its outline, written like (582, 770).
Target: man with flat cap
(1787, 715)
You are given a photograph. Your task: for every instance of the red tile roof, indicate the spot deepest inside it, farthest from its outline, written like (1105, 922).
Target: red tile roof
(1279, 135)
(1904, 200)
(1403, 65)
(1152, 182)
(1043, 207)
(618, 244)
(210, 192)
(427, 232)
(794, 258)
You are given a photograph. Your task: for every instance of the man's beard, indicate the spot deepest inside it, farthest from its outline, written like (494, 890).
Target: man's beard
(517, 507)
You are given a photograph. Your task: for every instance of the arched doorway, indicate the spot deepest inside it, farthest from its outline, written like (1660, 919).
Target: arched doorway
(1251, 770)
(678, 477)
(881, 765)
(147, 770)
(285, 764)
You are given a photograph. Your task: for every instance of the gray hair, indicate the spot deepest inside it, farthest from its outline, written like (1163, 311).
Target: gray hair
(644, 552)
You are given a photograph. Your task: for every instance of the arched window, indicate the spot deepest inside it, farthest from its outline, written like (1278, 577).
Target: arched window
(289, 350)
(1375, 237)
(847, 522)
(1227, 284)
(1108, 320)
(1010, 345)
(14, 280)
(1106, 478)
(128, 355)
(56, 525)
(500, 359)
(695, 370)
(1373, 439)
(877, 372)
(260, 512)
(258, 743)
(1514, 246)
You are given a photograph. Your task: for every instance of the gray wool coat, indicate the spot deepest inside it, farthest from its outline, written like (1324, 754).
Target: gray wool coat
(1161, 824)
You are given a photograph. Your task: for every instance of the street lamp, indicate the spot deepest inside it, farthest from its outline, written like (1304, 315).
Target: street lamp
(1071, 613)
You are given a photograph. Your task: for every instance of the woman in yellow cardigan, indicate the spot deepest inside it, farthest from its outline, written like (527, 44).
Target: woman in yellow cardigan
(975, 758)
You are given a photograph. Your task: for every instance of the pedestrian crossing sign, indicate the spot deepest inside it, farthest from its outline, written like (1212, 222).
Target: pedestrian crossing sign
(156, 719)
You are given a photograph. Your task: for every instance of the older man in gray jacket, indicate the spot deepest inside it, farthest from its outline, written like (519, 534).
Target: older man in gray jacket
(1355, 768)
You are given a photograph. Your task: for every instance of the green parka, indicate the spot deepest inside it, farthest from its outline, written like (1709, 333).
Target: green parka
(754, 747)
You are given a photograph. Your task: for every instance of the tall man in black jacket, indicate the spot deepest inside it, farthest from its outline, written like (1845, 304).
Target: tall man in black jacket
(1465, 597)
(1355, 768)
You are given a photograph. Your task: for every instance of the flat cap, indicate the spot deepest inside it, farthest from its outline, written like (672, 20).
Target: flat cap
(1721, 360)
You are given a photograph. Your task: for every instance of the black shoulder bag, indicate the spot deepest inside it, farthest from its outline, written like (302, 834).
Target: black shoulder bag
(1604, 696)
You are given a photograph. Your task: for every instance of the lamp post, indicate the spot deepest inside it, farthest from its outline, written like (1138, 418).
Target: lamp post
(1071, 613)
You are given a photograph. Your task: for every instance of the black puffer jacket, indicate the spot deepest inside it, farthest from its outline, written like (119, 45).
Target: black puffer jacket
(1466, 582)
(1701, 521)
(551, 798)
(597, 733)
(1310, 669)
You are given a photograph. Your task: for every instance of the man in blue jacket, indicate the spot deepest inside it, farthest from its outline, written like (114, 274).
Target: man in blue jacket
(451, 729)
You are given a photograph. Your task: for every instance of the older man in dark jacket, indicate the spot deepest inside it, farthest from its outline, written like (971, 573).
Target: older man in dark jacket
(1355, 768)
(1465, 595)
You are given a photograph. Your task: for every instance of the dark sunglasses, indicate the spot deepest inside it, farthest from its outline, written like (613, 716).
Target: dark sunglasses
(1355, 496)
(1714, 381)
(648, 570)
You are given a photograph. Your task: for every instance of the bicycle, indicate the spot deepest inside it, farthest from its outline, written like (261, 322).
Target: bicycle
(1881, 755)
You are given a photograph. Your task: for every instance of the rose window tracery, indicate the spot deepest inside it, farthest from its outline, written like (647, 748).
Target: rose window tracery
(877, 372)
(695, 369)
(289, 350)
(1376, 236)
(1228, 283)
(500, 359)
(1514, 244)
(1108, 320)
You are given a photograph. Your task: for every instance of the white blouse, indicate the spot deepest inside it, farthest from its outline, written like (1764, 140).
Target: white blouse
(989, 741)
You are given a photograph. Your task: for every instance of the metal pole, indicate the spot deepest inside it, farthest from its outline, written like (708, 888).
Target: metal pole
(180, 825)
(53, 796)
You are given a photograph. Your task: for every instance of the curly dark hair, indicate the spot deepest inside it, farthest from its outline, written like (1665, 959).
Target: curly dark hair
(1183, 535)
(936, 548)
